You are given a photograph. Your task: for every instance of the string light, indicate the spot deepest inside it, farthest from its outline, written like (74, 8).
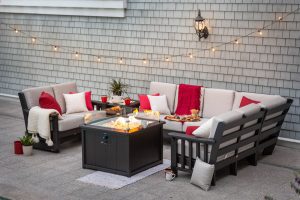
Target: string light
(213, 49)
(99, 59)
(77, 54)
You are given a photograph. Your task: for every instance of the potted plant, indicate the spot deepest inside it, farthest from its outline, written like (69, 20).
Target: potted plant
(117, 88)
(27, 143)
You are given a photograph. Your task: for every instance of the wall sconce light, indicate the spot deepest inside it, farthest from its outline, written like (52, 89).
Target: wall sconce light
(201, 29)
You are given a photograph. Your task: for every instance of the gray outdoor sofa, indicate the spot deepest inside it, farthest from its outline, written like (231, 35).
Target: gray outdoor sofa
(236, 133)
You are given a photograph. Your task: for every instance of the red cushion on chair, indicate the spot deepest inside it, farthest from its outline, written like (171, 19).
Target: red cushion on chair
(144, 101)
(47, 101)
(88, 99)
(190, 129)
(246, 101)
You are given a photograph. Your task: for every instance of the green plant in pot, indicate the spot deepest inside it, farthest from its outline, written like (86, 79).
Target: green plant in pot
(117, 88)
(27, 143)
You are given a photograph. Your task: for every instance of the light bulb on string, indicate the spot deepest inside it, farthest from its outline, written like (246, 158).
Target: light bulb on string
(236, 41)
(121, 60)
(280, 18)
(33, 40)
(213, 49)
(98, 59)
(167, 59)
(191, 55)
(16, 30)
(145, 61)
(55, 48)
(260, 32)
(77, 54)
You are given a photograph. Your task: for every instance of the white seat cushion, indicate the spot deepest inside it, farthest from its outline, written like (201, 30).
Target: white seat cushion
(32, 95)
(167, 89)
(217, 101)
(74, 120)
(268, 101)
(171, 125)
(187, 124)
(226, 118)
(249, 110)
(70, 121)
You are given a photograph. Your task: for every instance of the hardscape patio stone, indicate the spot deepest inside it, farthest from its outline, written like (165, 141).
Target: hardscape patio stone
(48, 175)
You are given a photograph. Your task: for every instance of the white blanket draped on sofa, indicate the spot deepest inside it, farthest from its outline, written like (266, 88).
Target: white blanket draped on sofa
(38, 123)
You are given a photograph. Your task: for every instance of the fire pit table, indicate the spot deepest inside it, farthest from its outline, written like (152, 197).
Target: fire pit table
(122, 145)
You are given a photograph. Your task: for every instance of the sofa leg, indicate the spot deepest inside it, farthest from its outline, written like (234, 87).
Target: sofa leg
(269, 150)
(213, 181)
(233, 169)
(252, 159)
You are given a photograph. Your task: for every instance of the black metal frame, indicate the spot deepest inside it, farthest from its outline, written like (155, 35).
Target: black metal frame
(264, 141)
(58, 137)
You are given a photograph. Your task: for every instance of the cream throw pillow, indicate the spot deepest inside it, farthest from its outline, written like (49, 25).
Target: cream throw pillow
(204, 130)
(75, 103)
(159, 103)
(202, 174)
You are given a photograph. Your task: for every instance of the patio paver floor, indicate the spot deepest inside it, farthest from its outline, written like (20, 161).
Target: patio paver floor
(53, 176)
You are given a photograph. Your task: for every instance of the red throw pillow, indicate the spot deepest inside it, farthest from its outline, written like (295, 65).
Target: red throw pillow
(190, 129)
(246, 101)
(88, 99)
(47, 101)
(144, 101)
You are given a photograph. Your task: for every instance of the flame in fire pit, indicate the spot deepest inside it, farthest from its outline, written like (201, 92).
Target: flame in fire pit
(130, 124)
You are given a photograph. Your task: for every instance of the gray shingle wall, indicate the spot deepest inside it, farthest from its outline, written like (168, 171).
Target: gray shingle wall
(154, 29)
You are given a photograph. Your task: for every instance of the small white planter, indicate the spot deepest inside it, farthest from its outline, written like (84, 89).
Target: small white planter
(27, 150)
(116, 99)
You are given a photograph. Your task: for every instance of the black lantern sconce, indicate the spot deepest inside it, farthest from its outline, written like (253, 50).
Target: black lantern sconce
(201, 29)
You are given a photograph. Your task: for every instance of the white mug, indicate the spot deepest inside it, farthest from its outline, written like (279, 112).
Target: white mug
(170, 176)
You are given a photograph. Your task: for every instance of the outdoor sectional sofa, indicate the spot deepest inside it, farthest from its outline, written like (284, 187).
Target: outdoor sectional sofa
(61, 130)
(236, 133)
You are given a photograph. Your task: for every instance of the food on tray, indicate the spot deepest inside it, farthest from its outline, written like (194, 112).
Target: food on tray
(186, 118)
(113, 110)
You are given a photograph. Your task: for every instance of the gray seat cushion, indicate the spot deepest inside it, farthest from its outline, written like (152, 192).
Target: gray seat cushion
(63, 88)
(74, 120)
(187, 124)
(167, 89)
(171, 125)
(32, 95)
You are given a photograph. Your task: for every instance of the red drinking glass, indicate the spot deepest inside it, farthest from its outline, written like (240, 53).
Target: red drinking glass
(127, 102)
(104, 99)
(18, 147)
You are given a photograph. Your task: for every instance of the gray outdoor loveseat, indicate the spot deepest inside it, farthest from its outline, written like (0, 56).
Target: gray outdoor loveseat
(61, 130)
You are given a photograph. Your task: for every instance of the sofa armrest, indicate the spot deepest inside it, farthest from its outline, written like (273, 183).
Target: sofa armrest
(191, 138)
